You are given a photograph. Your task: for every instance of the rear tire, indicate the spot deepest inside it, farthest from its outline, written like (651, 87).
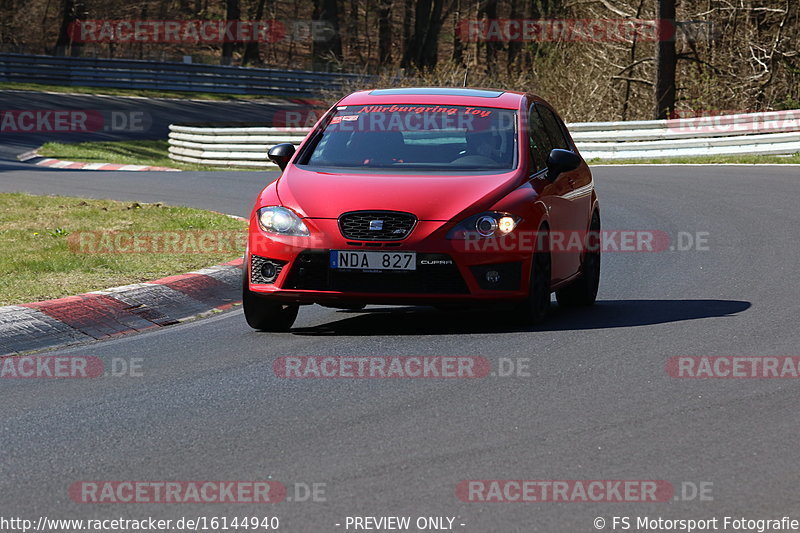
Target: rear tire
(535, 308)
(583, 291)
(263, 314)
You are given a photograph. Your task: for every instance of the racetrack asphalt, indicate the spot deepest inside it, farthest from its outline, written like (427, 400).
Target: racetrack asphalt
(598, 403)
(122, 117)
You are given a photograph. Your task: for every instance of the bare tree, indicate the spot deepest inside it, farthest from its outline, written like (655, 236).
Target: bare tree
(385, 40)
(71, 12)
(251, 52)
(327, 51)
(666, 60)
(422, 50)
(489, 10)
(232, 13)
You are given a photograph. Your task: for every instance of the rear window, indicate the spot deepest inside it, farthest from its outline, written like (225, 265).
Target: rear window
(416, 137)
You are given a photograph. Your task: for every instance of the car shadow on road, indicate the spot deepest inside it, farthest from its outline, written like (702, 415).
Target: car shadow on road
(604, 314)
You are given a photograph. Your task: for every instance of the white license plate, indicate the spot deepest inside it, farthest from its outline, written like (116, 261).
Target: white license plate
(350, 259)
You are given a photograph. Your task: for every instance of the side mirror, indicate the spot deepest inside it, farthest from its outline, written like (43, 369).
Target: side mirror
(561, 161)
(280, 154)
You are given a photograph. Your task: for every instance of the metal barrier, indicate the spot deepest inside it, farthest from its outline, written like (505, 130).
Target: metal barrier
(768, 133)
(156, 75)
(751, 133)
(244, 147)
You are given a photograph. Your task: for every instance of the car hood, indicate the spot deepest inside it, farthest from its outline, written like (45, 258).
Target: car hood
(315, 194)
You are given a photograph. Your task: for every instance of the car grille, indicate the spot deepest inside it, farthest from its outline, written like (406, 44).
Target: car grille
(311, 272)
(386, 225)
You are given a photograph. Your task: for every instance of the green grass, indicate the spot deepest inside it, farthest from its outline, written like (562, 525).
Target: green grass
(714, 159)
(41, 241)
(151, 153)
(148, 93)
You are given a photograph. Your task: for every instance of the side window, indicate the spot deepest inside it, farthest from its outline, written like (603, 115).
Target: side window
(538, 141)
(553, 127)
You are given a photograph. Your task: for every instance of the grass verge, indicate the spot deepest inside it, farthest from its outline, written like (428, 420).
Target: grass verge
(44, 257)
(146, 93)
(713, 159)
(150, 153)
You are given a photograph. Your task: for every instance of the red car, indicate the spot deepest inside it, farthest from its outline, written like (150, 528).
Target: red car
(428, 196)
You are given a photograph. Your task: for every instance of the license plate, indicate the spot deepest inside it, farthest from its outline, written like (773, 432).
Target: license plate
(350, 259)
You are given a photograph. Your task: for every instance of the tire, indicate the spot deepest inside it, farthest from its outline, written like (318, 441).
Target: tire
(265, 315)
(583, 291)
(535, 308)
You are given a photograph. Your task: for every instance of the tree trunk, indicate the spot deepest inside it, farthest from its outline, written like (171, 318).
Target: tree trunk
(327, 51)
(408, 20)
(422, 49)
(666, 61)
(384, 32)
(458, 46)
(232, 14)
(252, 55)
(513, 46)
(490, 12)
(72, 11)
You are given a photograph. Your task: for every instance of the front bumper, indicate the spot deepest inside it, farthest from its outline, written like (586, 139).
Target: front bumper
(445, 270)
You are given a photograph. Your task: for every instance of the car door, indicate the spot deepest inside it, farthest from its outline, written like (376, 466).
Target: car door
(575, 214)
(554, 194)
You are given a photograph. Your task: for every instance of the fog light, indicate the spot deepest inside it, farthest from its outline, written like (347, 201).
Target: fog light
(493, 276)
(269, 271)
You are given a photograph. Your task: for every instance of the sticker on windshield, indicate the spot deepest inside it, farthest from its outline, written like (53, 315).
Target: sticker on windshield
(346, 118)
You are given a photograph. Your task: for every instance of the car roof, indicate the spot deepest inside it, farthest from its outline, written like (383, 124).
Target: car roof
(436, 95)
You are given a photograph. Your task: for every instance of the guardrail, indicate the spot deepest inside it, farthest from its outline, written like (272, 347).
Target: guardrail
(244, 147)
(774, 133)
(767, 133)
(162, 75)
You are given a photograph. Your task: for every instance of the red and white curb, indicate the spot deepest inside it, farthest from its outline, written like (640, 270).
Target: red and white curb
(119, 310)
(34, 158)
(78, 165)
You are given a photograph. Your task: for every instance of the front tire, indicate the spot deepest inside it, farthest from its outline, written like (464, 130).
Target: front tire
(266, 315)
(583, 291)
(535, 308)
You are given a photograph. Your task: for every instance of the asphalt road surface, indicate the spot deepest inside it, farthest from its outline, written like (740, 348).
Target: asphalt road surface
(110, 118)
(598, 403)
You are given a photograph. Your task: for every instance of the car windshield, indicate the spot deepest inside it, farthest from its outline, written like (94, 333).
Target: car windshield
(417, 137)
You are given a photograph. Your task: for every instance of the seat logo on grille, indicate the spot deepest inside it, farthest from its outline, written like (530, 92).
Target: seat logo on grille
(375, 225)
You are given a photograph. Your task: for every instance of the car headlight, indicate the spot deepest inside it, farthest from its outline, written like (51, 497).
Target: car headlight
(484, 225)
(276, 219)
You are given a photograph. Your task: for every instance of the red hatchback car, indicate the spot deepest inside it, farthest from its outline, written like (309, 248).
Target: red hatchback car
(428, 196)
